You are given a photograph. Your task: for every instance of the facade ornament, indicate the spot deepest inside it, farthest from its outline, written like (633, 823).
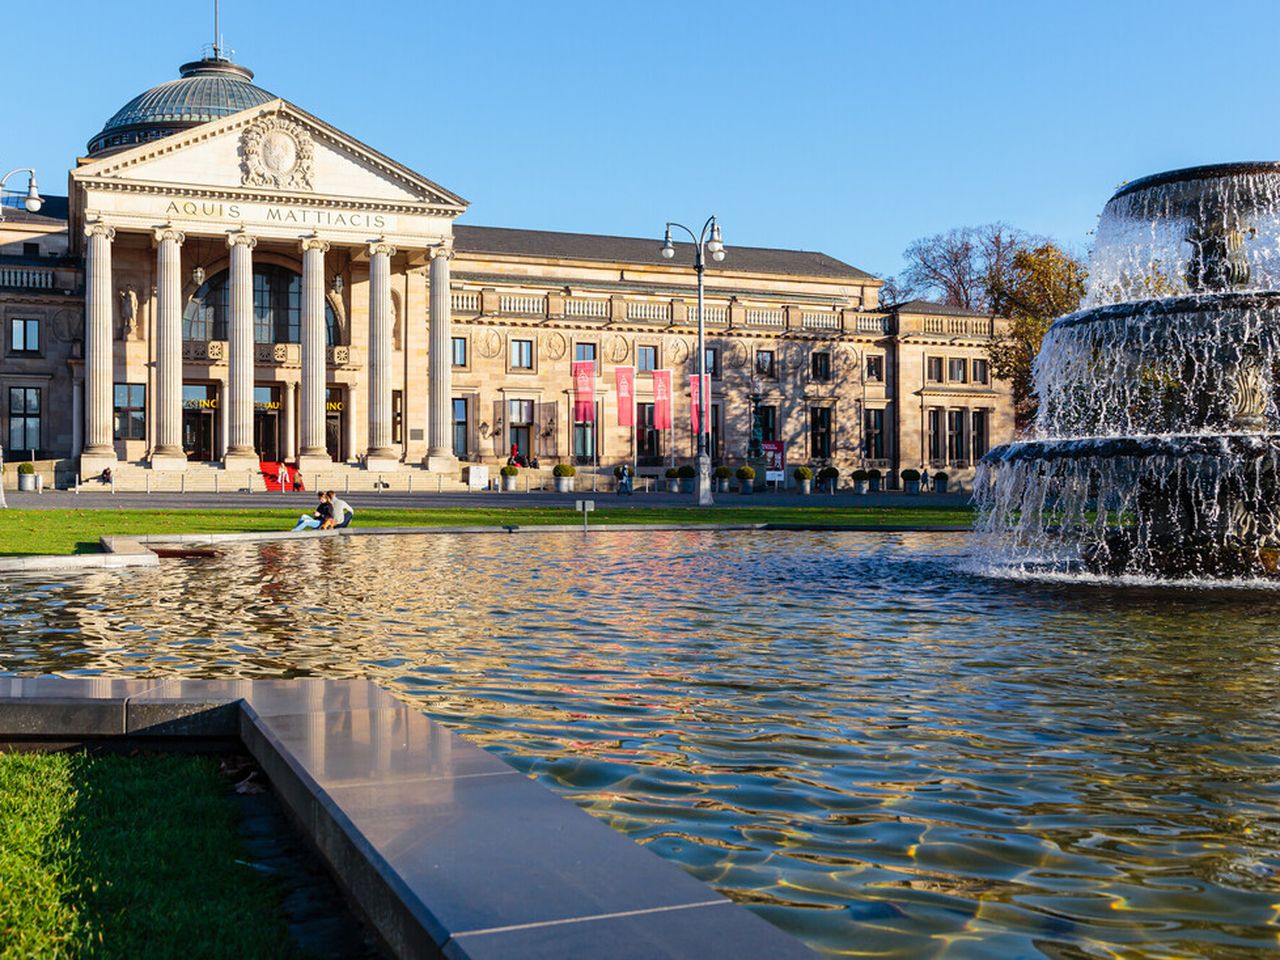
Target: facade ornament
(396, 332)
(488, 344)
(444, 250)
(168, 232)
(617, 349)
(381, 247)
(556, 346)
(678, 349)
(314, 242)
(99, 229)
(128, 312)
(240, 238)
(737, 355)
(276, 152)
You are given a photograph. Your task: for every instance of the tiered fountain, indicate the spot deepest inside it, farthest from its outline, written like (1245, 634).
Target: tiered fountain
(1158, 436)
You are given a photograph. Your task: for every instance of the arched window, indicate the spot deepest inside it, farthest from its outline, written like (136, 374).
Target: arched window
(277, 308)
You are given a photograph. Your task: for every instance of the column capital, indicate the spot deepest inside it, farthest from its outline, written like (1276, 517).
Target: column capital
(99, 229)
(314, 243)
(170, 233)
(240, 238)
(444, 250)
(381, 247)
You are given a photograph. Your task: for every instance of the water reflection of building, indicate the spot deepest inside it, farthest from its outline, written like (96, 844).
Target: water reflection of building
(231, 279)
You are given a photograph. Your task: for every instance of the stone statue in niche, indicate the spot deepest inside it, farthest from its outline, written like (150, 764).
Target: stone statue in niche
(396, 332)
(128, 312)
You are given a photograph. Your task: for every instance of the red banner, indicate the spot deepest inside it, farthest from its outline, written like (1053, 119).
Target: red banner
(584, 391)
(625, 380)
(662, 399)
(699, 404)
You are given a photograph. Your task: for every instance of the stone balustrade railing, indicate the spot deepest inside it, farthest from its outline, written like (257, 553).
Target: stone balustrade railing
(648, 310)
(524, 304)
(26, 277)
(466, 301)
(590, 309)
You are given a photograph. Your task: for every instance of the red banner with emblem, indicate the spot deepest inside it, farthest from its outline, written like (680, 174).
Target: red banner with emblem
(662, 399)
(625, 380)
(584, 391)
(698, 399)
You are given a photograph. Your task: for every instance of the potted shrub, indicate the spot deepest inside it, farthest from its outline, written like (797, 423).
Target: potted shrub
(873, 480)
(723, 474)
(509, 474)
(27, 476)
(688, 475)
(911, 478)
(746, 479)
(829, 477)
(673, 479)
(940, 482)
(859, 478)
(564, 474)
(804, 479)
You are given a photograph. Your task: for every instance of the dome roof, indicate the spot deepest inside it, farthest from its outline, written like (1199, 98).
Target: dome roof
(206, 90)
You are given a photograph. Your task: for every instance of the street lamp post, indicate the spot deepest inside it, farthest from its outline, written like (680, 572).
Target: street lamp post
(707, 240)
(33, 203)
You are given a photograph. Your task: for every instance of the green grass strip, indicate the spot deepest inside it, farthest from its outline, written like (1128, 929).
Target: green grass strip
(77, 531)
(106, 856)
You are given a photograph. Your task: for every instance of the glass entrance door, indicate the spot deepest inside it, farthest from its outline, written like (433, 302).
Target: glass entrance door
(200, 421)
(266, 423)
(334, 424)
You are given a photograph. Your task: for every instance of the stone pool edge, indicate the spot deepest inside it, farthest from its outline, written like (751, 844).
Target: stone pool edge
(446, 850)
(133, 551)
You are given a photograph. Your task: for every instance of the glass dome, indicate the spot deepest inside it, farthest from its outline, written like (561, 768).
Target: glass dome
(206, 90)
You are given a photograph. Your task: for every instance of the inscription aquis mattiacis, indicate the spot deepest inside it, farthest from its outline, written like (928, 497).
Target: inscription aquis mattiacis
(217, 210)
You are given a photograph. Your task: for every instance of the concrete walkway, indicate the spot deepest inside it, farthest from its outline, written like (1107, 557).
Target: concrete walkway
(296, 502)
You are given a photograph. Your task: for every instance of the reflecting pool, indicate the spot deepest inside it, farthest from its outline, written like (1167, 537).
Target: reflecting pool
(873, 748)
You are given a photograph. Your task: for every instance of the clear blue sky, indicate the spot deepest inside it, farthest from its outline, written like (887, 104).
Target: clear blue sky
(846, 127)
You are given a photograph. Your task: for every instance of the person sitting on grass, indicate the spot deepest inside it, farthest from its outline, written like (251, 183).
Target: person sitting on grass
(322, 519)
(342, 511)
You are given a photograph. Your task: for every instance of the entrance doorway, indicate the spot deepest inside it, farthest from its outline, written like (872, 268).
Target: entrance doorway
(335, 418)
(200, 421)
(266, 423)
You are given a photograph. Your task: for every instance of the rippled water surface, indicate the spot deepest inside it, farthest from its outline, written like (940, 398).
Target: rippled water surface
(874, 749)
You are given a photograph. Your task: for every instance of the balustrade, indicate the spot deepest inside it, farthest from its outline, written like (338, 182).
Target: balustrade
(29, 278)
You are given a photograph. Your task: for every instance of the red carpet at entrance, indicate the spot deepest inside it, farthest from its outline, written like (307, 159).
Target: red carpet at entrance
(271, 475)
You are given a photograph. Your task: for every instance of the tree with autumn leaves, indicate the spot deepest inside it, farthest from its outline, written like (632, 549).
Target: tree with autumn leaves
(1002, 271)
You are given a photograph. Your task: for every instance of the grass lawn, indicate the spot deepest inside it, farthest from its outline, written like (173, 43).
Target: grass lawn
(107, 856)
(77, 531)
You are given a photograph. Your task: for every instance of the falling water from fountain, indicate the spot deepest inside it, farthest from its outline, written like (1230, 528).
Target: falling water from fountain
(1157, 449)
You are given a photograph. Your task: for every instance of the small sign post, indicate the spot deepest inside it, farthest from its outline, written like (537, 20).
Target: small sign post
(584, 507)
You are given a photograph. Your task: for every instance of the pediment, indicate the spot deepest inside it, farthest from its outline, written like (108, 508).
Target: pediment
(271, 151)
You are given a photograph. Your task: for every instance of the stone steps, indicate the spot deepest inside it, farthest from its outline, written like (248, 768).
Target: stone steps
(208, 478)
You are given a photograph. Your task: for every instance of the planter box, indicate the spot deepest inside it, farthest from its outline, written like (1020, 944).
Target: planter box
(806, 487)
(746, 487)
(722, 485)
(509, 484)
(27, 482)
(913, 486)
(940, 486)
(873, 485)
(563, 484)
(859, 486)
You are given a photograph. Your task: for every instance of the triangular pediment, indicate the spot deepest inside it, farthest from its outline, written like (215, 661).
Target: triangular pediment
(272, 151)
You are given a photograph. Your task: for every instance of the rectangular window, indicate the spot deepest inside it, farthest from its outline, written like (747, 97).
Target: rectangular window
(648, 440)
(584, 438)
(981, 434)
(873, 442)
(31, 249)
(875, 368)
(24, 419)
(956, 444)
(820, 366)
(586, 351)
(768, 422)
(981, 372)
(713, 363)
(521, 354)
(714, 439)
(958, 370)
(131, 411)
(459, 422)
(397, 416)
(766, 365)
(24, 335)
(646, 359)
(820, 432)
(933, 369)
(459, 351)
(937, 437)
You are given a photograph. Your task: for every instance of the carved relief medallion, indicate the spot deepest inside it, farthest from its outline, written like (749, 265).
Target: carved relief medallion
(617, 349)
(738, 355)
(556, 346)
(488, 344)
(678, 349)
(276, 152)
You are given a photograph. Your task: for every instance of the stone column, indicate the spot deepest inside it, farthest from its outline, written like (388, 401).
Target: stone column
(240, 452)
(288, 412)
(99, 452)
(382, 455)
(313, 455)
(166, 453)
(440, 412)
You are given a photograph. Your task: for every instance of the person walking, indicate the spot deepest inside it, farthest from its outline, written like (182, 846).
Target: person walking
(342, 511)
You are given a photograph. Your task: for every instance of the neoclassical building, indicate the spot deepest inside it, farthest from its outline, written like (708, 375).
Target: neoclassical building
(230, 281)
